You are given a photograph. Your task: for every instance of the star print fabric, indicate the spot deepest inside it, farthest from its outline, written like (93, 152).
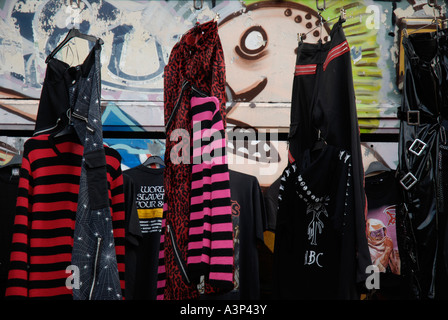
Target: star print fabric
(93, 247)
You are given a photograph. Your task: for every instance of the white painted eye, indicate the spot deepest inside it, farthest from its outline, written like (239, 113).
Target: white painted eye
(254, 41)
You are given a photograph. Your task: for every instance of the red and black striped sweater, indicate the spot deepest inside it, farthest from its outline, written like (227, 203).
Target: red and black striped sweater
(45, 216)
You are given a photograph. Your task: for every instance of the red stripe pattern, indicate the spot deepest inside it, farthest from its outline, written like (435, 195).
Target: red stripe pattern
(45, 217)
(210, 246)
(337, 51)
(306, 69)
(310, 69)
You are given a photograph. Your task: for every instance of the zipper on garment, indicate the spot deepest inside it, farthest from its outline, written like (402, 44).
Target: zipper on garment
(199, 92)
(176, 106)
(177, 257)
(80, 117)
(97, 254)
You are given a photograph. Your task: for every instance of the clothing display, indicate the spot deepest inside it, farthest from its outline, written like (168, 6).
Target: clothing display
(75, 217)
(142, 255)
(423, 149)
(196, 66)
(323, 119)
(44, 224)
(84, 218)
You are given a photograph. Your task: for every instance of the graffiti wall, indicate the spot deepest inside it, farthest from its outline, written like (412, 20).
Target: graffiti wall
(259, 38)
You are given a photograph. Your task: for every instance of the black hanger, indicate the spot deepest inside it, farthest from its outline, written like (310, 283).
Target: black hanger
(68, 128)
(73, 33)
(154, 159)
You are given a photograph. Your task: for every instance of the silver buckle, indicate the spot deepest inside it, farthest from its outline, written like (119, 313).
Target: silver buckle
(413, 117)
(408, 181)
(417, 147)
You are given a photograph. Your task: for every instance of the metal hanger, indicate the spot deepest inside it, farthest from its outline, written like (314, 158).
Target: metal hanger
(432, 4)
(319, 8)
(197, 7)
(407, 33)
(73, 33)
(68, 128)
(435, 21)
(321, 24)
(319, 143)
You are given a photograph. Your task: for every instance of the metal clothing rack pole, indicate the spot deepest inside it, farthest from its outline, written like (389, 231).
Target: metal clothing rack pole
(435, 22)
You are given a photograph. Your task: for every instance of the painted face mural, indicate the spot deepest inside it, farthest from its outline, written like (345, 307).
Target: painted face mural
(259, 40)
(260, 46)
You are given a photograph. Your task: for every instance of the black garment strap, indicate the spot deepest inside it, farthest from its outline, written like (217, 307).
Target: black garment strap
(410, 52)
(423, 116)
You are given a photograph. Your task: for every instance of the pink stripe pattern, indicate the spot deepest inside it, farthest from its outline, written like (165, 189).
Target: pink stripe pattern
(210, 246)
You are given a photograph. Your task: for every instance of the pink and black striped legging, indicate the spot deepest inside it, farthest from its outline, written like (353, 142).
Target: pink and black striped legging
(210, 247)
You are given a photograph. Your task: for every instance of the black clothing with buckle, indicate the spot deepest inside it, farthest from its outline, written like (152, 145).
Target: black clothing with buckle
(423, 153)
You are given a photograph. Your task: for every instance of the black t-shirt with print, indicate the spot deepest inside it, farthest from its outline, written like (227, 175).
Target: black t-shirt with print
(383, 196)
(249, 223)
(144, 257)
